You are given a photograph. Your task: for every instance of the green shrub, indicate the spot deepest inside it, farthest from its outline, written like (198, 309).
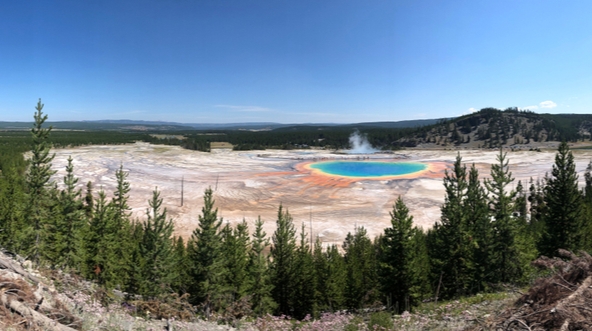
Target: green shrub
(381, 321)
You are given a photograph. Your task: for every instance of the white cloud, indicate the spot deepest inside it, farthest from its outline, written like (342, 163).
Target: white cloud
(548, 104)
(472, 110)
(244, 108)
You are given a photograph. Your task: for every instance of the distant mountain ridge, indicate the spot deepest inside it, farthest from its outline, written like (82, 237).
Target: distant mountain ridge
(487, 128)
(140, 125)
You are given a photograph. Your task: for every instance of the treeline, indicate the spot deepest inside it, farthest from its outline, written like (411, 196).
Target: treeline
(20, 140)
(490, 127)
(298, 137)
(487, 236)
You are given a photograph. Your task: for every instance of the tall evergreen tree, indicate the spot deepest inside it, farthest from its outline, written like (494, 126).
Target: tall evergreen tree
(261, 286)
(38, 181)
(476, 209)
(586, 238)
(120, 196)
(538, 209)
(335, 279)
(362, 274)
(235, 249)
(283, 251)
(419, 267)
(13, 208)
(588, 181)
(563, 220)
(320, 264)
(205, 253)
(395, 264)
(452, 256)
(156, 247)
(525, 238)
(303, 295)
(89, 200)
(64, 243)
(182, 267)
(504, 257)
(138, 278)
(123, 246)
(101, 260)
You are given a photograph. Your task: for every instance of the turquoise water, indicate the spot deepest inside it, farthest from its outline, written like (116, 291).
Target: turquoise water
(368, 168)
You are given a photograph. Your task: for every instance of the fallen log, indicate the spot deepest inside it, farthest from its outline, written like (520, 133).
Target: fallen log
(31, 315)
(7, 263)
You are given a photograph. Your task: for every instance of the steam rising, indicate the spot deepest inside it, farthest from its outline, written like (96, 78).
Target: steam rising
(359, 144)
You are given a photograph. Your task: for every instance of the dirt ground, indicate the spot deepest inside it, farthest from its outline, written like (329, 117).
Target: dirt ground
(254, 183)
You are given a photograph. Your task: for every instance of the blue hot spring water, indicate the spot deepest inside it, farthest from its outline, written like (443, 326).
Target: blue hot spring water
(368, 168)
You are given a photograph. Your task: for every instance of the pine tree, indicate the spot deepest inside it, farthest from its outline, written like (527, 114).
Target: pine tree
(362, 274)
(525, 239)
(101, 264)
(123, 245)
(452, 256)
(89, 200)
(156, 247)
(477, 212)
(120, 196)
(419, 267)
(520, 206)
(504, 257)
(64, 238)
(235, 248)
(320, 264)
(563, 220)
(303, 295)
(138, 278)
(181, 267)
(538, 209)
(586, 238)
(38, 180)
(75, 221)
(13, 206)
(205, 253)
(588, 187)
(395, 264)
(335, 279)
(283, 251)
(261, 287)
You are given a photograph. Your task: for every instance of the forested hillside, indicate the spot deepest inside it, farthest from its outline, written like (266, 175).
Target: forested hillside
(487, 128)
(492, 128)
(486, 238)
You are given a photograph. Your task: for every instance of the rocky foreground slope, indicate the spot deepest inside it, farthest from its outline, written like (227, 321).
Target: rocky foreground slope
(53, 300)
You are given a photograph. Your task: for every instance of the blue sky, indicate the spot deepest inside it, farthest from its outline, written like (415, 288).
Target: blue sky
(299, 61)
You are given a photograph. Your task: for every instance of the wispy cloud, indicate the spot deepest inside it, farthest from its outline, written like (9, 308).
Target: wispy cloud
(244, 108)
(544, 104)
(548, 104)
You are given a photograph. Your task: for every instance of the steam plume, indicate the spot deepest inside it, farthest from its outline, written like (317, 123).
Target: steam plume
(359, 144)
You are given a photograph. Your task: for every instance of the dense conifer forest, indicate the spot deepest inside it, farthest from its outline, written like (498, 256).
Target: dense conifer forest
(486, 238)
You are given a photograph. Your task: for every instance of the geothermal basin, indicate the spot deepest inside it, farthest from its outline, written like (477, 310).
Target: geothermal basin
(367, 169)
(250, 184)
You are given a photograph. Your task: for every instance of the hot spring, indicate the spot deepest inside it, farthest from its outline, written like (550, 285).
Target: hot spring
(367, 169)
